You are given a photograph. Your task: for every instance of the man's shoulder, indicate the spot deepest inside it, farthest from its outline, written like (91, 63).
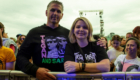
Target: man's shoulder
(64, 28)
(37, 28)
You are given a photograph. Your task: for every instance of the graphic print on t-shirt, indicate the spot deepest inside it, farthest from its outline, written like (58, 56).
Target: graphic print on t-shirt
(126, 67)
(56, 46)
(90, 58)
(78, 57)
(53, 49)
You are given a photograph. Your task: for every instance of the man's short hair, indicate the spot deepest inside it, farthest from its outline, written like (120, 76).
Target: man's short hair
(130, 33)
(56, 2)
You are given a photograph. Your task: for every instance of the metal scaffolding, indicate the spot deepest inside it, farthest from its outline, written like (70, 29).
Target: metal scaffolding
(100, 16)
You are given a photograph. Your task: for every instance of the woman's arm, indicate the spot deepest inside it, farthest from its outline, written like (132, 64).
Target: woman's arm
(102, 66)
(10, 66)
(71, 66)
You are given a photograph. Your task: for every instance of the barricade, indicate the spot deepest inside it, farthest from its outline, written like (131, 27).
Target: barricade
(18, 75)
(132, 75)
(5, 74)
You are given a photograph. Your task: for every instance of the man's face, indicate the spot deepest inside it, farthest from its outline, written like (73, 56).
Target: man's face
(54, 13)
(128, 36)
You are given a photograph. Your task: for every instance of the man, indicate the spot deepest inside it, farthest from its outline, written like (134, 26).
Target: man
(36, 45)
(7, 42)
(128, 35)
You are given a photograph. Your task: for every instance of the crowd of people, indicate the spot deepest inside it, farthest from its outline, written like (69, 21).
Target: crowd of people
(52, 47)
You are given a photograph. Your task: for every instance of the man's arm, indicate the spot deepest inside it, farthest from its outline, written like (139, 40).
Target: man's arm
(24, 54)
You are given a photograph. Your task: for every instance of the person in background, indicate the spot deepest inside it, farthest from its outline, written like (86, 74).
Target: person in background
(130, 61)
(115, 51)
(128, 35)
(96, 37)
(123, 41)
(105, 39)
(21, 39)
(7, 57)
(13, 39)
(7, 42)
(18, 38)
(82, 54)
(136, 32)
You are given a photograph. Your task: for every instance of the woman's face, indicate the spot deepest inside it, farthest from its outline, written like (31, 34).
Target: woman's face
(123, 42)
(115, 43)
(131, 47)
(22, 39)
(103, 39)
(81, 30)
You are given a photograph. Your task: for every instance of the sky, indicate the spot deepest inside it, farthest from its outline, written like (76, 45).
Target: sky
(120, 16)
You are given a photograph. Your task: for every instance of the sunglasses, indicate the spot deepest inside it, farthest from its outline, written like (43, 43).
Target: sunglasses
(22, 38)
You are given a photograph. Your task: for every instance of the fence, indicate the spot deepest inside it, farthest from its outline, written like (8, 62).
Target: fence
(18, 75)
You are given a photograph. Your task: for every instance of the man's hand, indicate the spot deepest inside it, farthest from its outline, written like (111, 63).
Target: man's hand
(102, 43)
(42, 74)
(71, 66)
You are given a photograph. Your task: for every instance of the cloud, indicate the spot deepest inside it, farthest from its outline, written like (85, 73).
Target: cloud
(120, 16)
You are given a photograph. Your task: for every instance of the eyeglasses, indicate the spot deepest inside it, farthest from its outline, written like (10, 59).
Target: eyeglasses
(62, 40)
(22, 38)
(51, 41)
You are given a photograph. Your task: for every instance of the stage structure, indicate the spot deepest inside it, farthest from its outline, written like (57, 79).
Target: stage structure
(100, 16)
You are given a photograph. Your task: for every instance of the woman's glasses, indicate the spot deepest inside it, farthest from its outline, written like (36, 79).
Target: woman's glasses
(22, 38)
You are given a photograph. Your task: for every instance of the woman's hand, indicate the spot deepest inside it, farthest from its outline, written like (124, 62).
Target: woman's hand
(71, 66)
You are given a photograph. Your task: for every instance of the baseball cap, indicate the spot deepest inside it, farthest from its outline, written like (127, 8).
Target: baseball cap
(18, 35)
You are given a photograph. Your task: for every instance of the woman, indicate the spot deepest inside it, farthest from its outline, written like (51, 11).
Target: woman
(105, 39)
(115, 51)
(136, 32)
(20, 41)
(7, 56)
(129, 62)
(82, 54)
(123, 41)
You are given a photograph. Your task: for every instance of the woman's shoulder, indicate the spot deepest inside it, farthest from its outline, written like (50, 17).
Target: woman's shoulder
(121, 56)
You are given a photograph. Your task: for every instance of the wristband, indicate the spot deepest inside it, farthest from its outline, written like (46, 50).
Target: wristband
(79, 66)
(83, 66)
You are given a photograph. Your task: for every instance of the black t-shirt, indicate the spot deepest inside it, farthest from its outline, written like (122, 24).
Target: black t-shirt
(92, 53)
(46, 46)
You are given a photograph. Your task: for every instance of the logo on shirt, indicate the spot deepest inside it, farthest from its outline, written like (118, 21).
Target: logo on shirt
(53, 47)
(90, 58)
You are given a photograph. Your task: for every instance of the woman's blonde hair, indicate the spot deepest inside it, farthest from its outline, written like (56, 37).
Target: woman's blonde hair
(72, 37)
